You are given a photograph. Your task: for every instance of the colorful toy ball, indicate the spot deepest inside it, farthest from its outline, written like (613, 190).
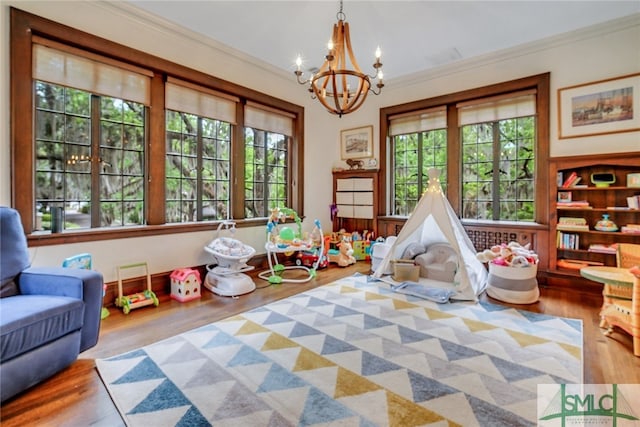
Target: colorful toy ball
(286, 234)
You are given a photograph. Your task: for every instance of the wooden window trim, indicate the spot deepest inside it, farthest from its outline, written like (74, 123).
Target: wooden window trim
(25, 26)
(539, 82)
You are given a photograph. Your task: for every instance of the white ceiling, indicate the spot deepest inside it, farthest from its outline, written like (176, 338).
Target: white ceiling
(414, 35)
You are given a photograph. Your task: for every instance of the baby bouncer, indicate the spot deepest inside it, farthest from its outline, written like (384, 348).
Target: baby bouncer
(282, 239)
(226, 274)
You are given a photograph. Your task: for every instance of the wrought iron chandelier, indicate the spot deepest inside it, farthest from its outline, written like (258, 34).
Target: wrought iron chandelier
(339, 88)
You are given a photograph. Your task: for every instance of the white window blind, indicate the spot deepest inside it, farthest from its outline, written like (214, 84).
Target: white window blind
(418, 121)
(188, 98)
(521, 104)
(269, 119)
(90, 74)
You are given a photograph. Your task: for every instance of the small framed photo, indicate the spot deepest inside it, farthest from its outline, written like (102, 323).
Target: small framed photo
(356, 143)
(564, 196)
(601, 107)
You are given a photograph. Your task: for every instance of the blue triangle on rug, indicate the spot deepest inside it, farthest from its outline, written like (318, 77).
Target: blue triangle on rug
(145, 370)
(165, 396)
(279, 378)
(248, 356)
(320, 408)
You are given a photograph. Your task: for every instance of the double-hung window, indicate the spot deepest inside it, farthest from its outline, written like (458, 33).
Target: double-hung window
(90, 138)
(418, 143)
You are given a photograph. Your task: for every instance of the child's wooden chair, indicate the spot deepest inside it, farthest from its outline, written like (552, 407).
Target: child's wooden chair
(625, 314)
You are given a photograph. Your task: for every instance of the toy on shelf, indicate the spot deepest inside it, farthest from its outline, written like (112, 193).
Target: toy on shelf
(139, 299)
(282, 239)
(185, 284)
(84, 261)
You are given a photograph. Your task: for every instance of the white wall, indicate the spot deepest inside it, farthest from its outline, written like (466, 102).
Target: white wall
(594, 54)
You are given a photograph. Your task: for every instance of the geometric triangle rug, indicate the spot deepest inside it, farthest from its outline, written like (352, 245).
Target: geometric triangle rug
(351, 353)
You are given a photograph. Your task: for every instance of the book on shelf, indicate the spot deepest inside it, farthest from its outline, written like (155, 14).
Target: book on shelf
(567, 240)
(633, 202)
(572, 227)
(602, 248)
(572, 224)
(630, 229)
(570, 180)
(574, 204)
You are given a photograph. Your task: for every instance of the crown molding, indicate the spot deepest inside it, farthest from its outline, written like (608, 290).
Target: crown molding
(585, 33)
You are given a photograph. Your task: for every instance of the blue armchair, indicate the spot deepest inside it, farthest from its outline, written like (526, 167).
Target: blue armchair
(48, 315)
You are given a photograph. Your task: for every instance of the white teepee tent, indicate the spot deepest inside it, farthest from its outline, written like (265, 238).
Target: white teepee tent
(434, 221)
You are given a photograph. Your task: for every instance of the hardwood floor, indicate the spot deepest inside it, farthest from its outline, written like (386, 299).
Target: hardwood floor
(77, 397)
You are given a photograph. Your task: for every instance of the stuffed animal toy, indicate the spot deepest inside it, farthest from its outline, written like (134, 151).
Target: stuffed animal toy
(344, 256)
(512, 254)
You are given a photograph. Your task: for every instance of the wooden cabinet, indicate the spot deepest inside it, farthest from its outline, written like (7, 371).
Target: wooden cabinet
(355, 195)
(588, 203)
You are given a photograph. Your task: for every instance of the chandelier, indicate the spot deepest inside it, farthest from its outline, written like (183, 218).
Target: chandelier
(340, 89)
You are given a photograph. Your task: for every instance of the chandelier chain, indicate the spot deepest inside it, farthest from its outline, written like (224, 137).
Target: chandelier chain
(340, 15)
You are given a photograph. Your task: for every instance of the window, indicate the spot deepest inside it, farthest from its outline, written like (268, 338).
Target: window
(419, 142)
(198, 168)
(124, 148)
(198, 153)
(498, 158)
(265, 172)
(90, 147)
(490, 142)
(266, 160)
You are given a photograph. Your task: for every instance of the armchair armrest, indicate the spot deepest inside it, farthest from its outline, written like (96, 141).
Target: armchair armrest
(69, 282)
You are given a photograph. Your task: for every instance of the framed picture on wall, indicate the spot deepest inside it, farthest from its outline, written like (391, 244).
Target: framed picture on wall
(601, 107)
(356, 143)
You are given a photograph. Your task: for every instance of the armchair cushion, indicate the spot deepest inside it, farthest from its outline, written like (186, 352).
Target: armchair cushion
(29, 321)
(83, 285)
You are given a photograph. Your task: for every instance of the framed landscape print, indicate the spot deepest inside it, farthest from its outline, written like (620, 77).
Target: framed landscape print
(602, 107)
(356, 143)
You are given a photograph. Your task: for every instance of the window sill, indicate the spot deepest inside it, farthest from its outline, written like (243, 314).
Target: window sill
(45, 238)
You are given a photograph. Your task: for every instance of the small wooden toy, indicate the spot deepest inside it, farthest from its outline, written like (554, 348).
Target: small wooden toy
(139, 299)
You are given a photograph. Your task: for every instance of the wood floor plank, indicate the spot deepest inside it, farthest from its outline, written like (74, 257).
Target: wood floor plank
(77, 397)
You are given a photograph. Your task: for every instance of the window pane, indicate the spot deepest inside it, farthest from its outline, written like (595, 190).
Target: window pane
(413, 155)
(509, 171)
(66, 157)
(197, 184)
(121, 163)
(266, 172)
